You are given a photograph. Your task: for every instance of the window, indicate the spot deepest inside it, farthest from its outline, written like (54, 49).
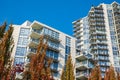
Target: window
(45, 31)
(67, 49)
(53, 34)
(115, 53)
(20, 51)
(47, 53)
(18, 60)
(57, 35)
(22, 41)
(68, 40)
(55, 74)
(50, 32)
(24, 31)
(66, 56)
(55, 65)
(55, 55)
(51, 54)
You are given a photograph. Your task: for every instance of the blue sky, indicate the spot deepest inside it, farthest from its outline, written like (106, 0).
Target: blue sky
(56, 13)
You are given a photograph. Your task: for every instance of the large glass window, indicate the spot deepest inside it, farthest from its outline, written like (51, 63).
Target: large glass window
(24, 31)
(47, 53)
(55, 55)
(67, 47)
(20, 51)
(68, 41)
(67, 50)
(45, 30)
(50, 32)
(55, 74)
(19, 60)
(53, 34)
(55, 65)
(22, 41)
(51, 54)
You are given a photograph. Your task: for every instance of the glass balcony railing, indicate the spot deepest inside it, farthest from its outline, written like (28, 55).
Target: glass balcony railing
(82, 74)
(82, 65)
(32, 50)
(37, 31)
(104, 64)
(103, 58)
(35, 40)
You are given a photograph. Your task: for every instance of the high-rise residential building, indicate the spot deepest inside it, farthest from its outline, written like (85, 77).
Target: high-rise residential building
(84, 59)
(26, 38)
(99, 34)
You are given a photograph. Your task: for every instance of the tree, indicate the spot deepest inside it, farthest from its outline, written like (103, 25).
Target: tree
(95, 73)
(118, 76)
(6, 46)
(63, 75)
(39, 68)
(110, 74)
(68, 71)
(2, 29)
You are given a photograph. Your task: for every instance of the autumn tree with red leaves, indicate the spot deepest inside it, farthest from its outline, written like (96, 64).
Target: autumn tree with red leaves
(39, 66)
(110, 74)
(95, 73)
(6, 46)
(118, 76)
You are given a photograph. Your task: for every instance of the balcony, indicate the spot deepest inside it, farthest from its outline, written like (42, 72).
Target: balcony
(77, 28)
(47, 36)
(118, 24)
(102, 42)
(37, 25)
(91, 15)
(104, 64)
(92, 20)
(27, 64)
(103, 58)
(94, 48)
(100, 32)
(78, 36)
(103, 53)
(99, 11)
(102, 47)
(81, 65)
(35, 33)
(33, 43)
(93, 42)
(54, 69)
(98, 42)
(92, 38)
(81, 76)
(78, 32)
(76, 24)
(53, 49)
(56, 60)
(92, 24)
(118, 28)
(99, 16)
(100, 24)
(31, 51)
(81, 57)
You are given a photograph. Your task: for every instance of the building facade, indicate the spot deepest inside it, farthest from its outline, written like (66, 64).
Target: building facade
(26, 38)
(103, 35)
(84, 59)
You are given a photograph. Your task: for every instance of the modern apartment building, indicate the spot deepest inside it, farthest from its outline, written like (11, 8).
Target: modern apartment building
(84, 60)
(99, 34)
(26, 38)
